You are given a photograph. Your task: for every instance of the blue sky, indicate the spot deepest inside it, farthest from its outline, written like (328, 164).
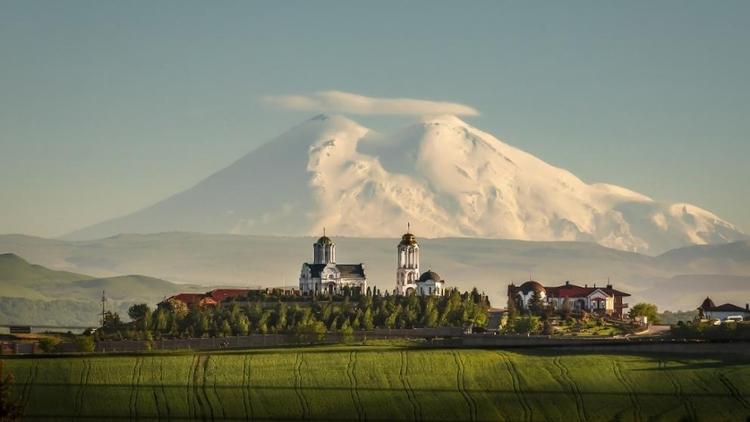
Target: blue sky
(106, 107)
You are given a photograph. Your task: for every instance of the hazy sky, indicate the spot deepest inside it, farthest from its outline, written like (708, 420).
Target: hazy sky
(106, 107)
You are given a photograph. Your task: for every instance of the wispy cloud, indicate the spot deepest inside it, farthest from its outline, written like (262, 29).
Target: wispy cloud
(347, 102)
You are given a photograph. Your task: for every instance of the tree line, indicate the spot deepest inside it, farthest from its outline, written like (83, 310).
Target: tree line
(346, 313)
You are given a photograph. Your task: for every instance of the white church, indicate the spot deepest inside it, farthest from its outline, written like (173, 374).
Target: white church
(324, 275)
(408, 279)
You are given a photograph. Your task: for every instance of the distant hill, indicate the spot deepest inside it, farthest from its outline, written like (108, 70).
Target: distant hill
(33, 294)
(489, 264)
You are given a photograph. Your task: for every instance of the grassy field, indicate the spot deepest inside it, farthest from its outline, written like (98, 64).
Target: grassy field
(383, 383)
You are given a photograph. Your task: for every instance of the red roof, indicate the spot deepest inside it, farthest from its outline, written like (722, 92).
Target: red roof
(220, 295)
(571, 290)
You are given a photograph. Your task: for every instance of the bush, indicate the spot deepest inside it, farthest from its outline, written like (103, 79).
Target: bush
(85, 344)
(48, 344)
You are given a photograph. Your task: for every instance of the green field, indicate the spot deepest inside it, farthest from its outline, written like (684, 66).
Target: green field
(384, 383)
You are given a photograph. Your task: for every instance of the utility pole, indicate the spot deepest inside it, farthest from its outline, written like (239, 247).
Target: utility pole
(104, 301)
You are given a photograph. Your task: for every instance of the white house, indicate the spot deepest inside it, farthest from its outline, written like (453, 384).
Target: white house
(709, 311)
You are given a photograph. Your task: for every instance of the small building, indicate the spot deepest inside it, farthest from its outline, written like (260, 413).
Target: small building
(708, 310)
(220, 295)
(324, 275)
(599, 300)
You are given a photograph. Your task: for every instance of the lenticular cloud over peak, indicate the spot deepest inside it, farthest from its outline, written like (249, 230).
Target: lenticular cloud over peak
(347, 102)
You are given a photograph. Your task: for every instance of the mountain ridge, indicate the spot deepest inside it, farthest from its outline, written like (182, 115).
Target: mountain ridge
(445, 176)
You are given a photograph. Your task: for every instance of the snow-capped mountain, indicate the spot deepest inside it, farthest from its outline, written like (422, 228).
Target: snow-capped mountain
(444, 176)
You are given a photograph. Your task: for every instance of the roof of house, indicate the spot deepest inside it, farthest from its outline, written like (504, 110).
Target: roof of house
(727, 307)
(572, 290)
(220, 295)
(707, 304)
(346, 270)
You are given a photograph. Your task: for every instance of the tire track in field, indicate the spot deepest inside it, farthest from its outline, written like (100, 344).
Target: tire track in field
(736, 394)
(216, 393)
(204, 385)
(632, 395)
(687, 403)
(155, 392)
(516, 381)
(30, 381)
(164, 388)
(461, 385)
(416, 408)
(353, 382)
(85, 370)
(195, 390)
(135, 382)
(246, 396)
(298, 386)
(572, 386)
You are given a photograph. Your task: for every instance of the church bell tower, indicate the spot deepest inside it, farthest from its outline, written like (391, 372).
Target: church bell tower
(407, 269)
(324, 250)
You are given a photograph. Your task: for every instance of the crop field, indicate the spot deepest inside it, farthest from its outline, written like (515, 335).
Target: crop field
(383, 383)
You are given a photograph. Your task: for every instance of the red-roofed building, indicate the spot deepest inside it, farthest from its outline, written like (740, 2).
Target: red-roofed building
(599, 300)
(220, 295)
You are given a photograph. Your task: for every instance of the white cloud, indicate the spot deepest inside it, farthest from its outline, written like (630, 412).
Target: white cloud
(347, 102)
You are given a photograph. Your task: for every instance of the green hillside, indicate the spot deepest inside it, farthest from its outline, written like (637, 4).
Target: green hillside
(384, 383)
(13, 268)
(33, 294)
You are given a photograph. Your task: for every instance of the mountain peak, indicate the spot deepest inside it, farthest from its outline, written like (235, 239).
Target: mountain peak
(446, 119)
(448, 177)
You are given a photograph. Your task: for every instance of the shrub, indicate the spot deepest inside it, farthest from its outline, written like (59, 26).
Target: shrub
(85, 344)
(48, 344)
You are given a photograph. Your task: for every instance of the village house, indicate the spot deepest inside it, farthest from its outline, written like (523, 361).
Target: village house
(598, 300)
(725, 312)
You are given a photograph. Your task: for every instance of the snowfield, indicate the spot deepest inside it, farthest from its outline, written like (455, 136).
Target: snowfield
(444, 176)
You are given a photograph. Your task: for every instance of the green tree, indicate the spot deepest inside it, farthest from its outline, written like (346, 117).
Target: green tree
(347, 332)
(528, 325)
(161, 320)
(85, 344)
(138, 311)
(242, 327)
(281, 317)
(536, 304)
(566, 309)
(367, 322)
(648, 310)
(178, 307)
(225, 329)
(431, 315)
(112, 320)
(48, 344)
